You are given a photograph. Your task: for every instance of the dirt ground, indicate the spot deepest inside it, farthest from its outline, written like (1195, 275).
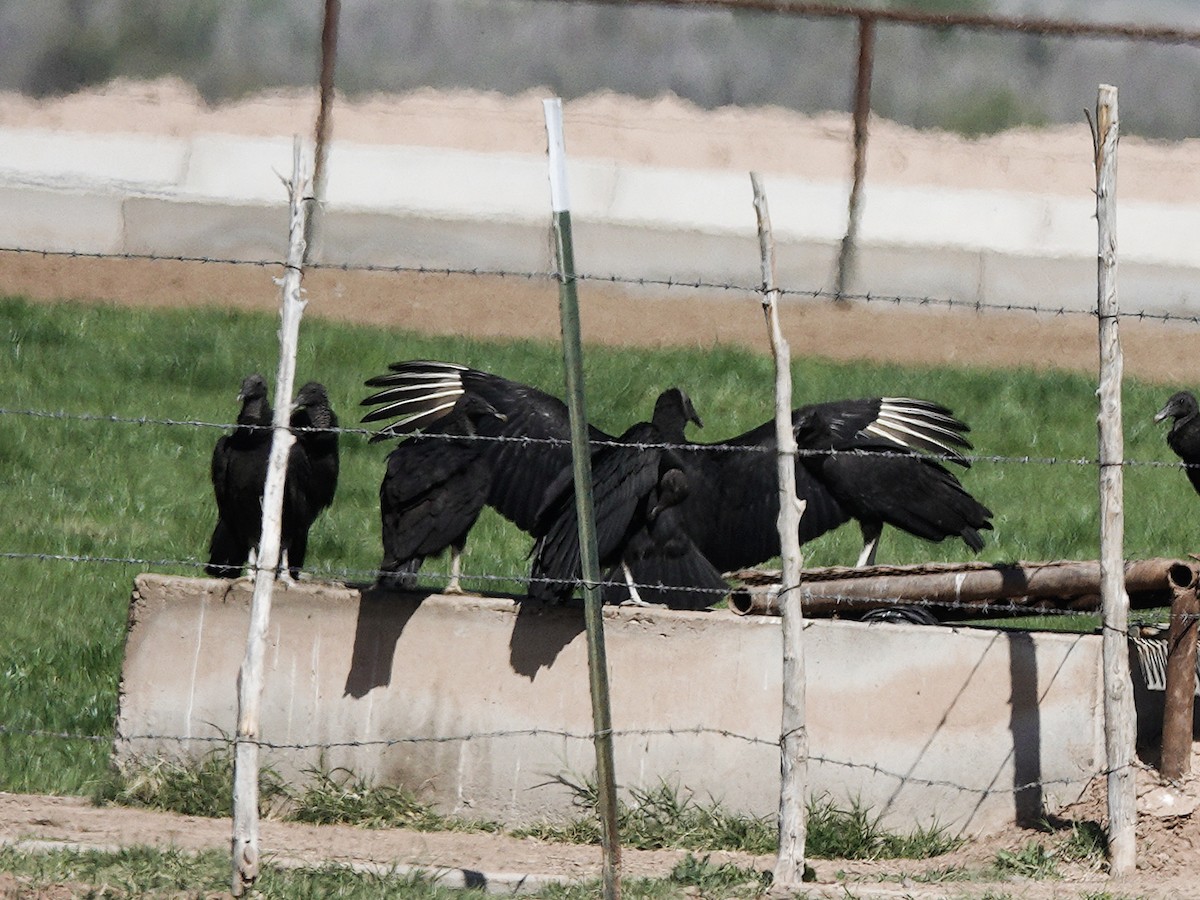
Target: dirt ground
(1168, 833)
(1168, 838)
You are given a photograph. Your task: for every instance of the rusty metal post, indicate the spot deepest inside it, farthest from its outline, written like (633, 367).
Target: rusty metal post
(1180, 701)
(862, 114)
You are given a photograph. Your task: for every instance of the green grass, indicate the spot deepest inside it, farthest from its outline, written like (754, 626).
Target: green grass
(659, 817)
(139, 495)
(150, 872)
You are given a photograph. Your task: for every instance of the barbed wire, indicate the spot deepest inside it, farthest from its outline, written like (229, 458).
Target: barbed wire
(224, 741)
(529, 441)
(698, 284)
(952, 612)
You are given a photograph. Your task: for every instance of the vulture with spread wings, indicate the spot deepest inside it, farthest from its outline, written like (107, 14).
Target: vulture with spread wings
(874, 460)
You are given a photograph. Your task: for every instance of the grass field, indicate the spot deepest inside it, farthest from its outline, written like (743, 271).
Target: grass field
(91, 501)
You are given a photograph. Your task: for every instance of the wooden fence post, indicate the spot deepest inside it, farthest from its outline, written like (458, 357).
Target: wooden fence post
(862, 116)
(323, 126)
(1119, 725)
(245, 850)
(793, 789)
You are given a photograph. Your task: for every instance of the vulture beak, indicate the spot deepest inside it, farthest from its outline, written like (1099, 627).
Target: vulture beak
(1164, 413)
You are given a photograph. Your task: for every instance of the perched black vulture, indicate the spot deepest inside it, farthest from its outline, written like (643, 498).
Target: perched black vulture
(876, 476)
(239, 475)
(419, 393)
(733, 508)
(312, 475)
(239, 470)
(432, 493)
(638, 486)
(1184, 436)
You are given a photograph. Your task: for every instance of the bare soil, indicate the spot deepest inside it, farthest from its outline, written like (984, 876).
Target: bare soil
(1168, 838)
(1168, 832)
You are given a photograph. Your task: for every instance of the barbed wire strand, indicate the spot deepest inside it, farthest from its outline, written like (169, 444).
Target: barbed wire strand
(754, 290)
(223, 741)
(994, 458)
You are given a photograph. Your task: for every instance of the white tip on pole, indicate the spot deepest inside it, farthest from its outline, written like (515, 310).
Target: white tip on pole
(559, 201)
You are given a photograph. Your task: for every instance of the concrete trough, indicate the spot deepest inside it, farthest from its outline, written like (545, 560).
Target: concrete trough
(481, 705)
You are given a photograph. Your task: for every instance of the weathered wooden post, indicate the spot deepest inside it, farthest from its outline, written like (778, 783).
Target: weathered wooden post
(1120, 729)
(862, 116)
(245, 850)
(323, 126)
(793, 790)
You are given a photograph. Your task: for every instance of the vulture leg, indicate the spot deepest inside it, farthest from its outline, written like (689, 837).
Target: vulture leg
(635, 599)
(453, 586)
(283, 573)
(870, 532)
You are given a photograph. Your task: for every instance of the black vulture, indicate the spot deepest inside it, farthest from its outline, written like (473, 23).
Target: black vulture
(1184, 436)
(638, 486)
(421, 392)
(876, 476)
(733, 508)
(312, 474)
(432, 493)
(239, 470)
(239, 475)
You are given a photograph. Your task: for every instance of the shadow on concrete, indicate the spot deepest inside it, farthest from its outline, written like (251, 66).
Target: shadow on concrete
(1026, 724)
(382, 616)
(540, 632)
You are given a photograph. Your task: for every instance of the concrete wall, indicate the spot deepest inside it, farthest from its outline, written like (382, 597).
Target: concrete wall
(219, 195)
(481, 704)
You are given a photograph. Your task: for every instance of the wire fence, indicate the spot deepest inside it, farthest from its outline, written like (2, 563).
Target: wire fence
(916, 301)
(949, 609)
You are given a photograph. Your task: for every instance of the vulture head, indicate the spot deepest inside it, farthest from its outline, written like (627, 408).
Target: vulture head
(1181, 406)
(673, 410)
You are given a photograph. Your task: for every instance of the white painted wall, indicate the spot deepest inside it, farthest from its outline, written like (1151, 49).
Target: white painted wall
(218, 195)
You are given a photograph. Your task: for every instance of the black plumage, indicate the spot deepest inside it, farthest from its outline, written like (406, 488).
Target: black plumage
(732, 511)
(433, 492)
(638, 488)
(313, 465)
(878, 479)
(239, 475)
(1184, 435)
(730, 507)
(419, 393)
(239, 470)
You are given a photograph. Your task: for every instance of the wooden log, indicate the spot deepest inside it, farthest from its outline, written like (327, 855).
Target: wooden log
(825, 592)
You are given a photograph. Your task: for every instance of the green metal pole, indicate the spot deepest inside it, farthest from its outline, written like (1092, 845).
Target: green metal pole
(581, 460)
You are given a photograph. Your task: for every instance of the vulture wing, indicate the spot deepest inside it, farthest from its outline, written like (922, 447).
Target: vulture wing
(880, 479)
(419, 393)
(622, 480)
(434, 489)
